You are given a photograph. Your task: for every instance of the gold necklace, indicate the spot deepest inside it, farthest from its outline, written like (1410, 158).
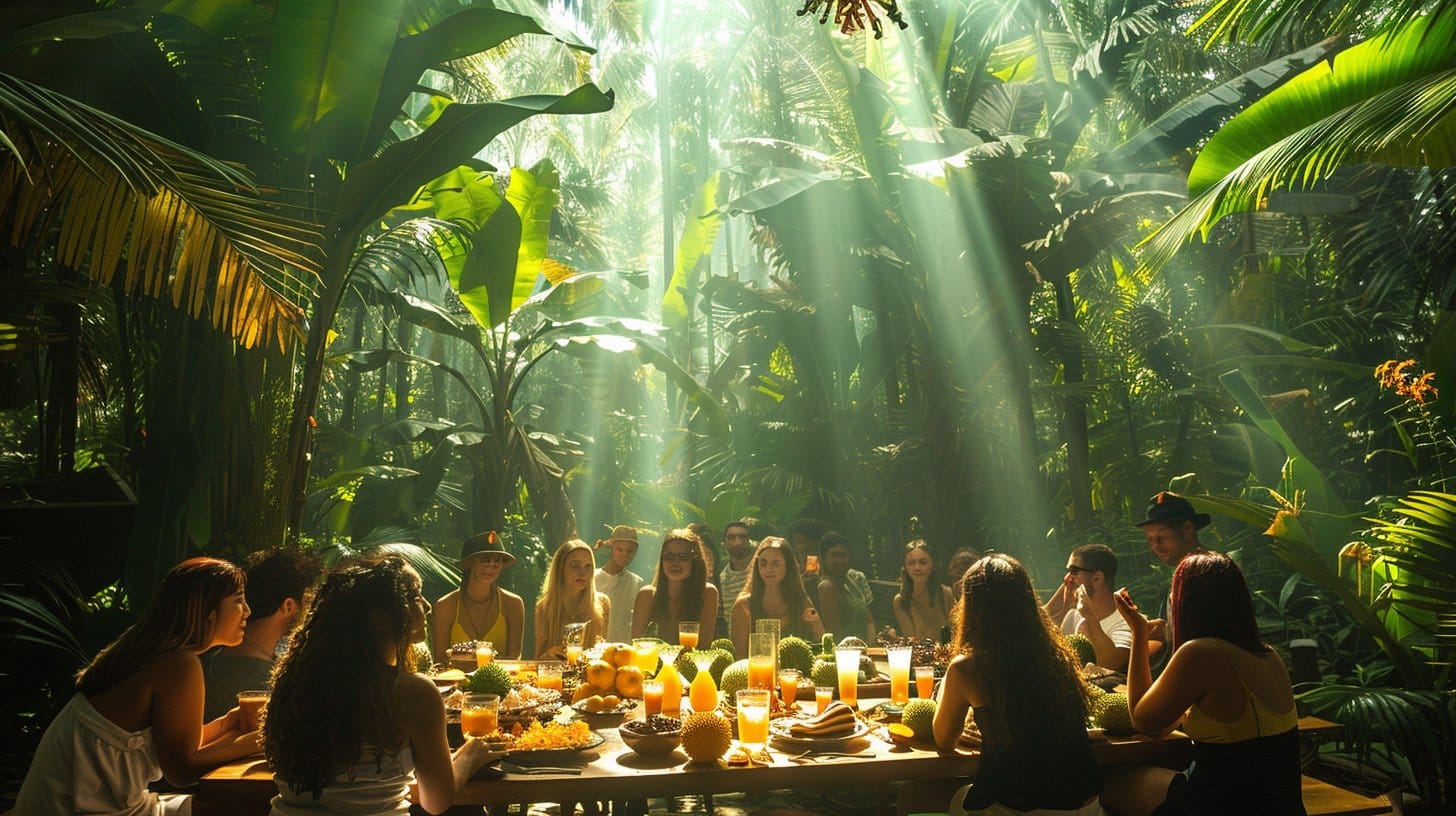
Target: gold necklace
(479, 633)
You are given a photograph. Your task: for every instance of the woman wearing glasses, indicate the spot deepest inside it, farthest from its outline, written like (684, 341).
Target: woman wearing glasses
(680, 591)
(480, 609)
(569, 595)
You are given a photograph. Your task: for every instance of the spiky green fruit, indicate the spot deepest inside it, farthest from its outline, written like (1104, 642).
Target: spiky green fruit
(1082, 646)
(492, 678)
(919, 715)
(795, 653)
(1110, 712)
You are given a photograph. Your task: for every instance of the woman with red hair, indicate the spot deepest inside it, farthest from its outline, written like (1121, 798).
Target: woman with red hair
(1230, 691)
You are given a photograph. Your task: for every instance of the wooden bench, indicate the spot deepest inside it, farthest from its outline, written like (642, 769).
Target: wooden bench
(1324, 799)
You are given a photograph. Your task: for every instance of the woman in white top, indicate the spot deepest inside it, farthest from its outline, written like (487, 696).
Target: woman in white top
(349, 721)
(137, 712)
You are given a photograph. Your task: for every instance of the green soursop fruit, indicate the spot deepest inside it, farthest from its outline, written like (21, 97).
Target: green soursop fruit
(1110, 713)
(491, 678)
(919, 716)
(824, 673)
(688, 668)
(726, 645)
(1082, 647)
(794, 653)
(685, 665)
(735, 678)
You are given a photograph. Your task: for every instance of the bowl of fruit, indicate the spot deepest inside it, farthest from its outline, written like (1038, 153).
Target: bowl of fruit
(654, 736)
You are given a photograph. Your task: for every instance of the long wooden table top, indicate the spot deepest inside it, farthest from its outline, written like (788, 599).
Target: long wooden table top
(613, 771)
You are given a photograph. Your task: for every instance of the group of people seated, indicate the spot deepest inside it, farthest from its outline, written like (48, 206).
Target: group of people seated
(350, 723)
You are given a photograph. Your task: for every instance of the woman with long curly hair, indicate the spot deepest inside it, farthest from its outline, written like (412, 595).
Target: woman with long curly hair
(1231, 692)
(679, 591)
(775, 589)
(922, 606)
(1030, 704)
(569, 595)
(137, 711)
(349, 721)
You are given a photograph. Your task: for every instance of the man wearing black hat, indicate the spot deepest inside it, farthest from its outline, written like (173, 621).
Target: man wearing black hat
(1171, 529)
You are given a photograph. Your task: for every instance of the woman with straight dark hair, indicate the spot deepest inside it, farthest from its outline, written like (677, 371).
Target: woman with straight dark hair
(774, 589)
(350, 724)
(137, 712)
(922, 606)
(1232, 694)
(679, 591)
(1030, 703)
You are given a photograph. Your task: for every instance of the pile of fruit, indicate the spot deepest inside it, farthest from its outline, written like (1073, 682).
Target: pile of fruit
(540, 737)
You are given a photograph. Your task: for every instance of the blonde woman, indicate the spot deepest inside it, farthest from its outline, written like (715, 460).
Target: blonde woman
(569, 595)
(480, 609)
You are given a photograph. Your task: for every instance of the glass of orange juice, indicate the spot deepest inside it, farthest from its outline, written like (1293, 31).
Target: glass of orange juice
(789, 685)
(250, 706)
(548, 676)
(571, 636)
(753, 718)
(924, 682)
(484, 653)
(846, 661)
(480, 715)
(823, 696)
(899, 659)
(761, 660)
(645, 654)
(651, 697)
(687, 634)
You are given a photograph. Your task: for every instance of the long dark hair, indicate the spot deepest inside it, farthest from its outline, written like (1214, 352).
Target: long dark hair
(693, 585)
(1211, 599)
(333, 694)
(179, 617)
(794, 594)
(1029, 671)
(907, 585)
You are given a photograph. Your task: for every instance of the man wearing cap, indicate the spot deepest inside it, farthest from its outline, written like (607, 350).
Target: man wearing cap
(480, 610)
(619, 583)
(1171, 529)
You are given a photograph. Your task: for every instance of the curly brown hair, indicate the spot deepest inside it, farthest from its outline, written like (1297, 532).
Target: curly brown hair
(333, 693)
(1030, 672)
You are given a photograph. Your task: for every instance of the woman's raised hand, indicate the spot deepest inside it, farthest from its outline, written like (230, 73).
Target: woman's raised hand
(1136, 620)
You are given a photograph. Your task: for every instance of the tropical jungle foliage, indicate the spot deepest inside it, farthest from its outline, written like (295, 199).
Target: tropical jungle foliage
(390, 272)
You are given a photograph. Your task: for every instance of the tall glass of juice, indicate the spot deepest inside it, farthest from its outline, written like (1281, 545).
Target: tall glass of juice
(753, 718)
(645, 655)
(846, 661)
(761, 660)
(899, 658)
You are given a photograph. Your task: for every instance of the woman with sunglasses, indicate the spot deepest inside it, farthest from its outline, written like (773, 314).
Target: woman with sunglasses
(775, 589)
(480, 609)
(679, 591)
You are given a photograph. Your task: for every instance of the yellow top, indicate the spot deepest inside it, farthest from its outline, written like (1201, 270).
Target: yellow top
(495, 632)
(1258, 720)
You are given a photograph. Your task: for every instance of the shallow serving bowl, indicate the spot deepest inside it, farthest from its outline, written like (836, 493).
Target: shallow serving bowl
(655, 744)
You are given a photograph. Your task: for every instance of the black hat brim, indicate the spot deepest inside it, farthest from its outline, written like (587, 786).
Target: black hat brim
(1200, 520)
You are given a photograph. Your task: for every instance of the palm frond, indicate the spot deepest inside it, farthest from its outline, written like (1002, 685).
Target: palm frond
(189, 228)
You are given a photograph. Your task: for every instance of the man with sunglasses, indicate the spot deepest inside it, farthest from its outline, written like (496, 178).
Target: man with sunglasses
(1084, 605)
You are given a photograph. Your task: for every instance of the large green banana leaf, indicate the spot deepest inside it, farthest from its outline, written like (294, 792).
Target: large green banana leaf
(1391, 99)
(696, 242)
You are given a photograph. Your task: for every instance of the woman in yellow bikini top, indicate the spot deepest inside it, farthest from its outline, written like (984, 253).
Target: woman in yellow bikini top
(480, 609)
(1233, 694)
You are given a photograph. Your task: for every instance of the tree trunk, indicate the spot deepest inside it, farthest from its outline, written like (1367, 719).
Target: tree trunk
(1074, 410)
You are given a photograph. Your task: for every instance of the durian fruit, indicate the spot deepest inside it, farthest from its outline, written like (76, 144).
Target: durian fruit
(734, 679)
(1082, 647)
(726, 644)
(706, 736)
(1093, 692)
(688, 668)
(824, 673)
(1110, 712)
(919, 716)
(794, 653)
(492, 678)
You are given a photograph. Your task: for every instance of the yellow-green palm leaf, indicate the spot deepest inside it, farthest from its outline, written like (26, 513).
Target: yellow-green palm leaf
(190, 229)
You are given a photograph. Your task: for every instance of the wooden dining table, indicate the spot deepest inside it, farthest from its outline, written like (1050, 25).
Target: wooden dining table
(612, 771)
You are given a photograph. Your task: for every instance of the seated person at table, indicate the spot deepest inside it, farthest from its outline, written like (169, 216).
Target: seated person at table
(922, 606)
(774, 589)
(679, 591)
(844, 593)
(480, 609)
(569, 595)
(279, 585)
(1232, 694)
(955, 568)
(616, 581)
(1029, 701)
(350, 724)
(1086, 595)
(137, 712)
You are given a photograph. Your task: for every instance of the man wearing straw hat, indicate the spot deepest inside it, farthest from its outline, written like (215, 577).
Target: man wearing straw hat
(619, 583)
